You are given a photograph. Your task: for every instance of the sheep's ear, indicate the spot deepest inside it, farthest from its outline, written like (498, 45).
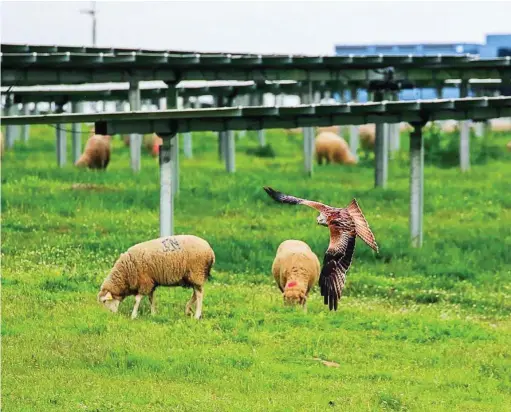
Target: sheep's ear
(109, 296)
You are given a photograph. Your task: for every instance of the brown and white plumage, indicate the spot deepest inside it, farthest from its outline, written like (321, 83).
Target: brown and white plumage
(345, 224)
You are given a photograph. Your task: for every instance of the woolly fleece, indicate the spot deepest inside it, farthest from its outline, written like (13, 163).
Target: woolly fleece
(296, 269)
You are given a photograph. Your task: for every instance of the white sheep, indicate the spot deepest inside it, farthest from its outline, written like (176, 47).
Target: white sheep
(296, 269)
(182, 260)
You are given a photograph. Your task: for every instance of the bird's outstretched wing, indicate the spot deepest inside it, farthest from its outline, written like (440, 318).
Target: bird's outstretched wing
(336, 263)
(361, 226)
(292, 200)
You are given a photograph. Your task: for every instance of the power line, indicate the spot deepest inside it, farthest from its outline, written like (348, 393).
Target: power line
(92, 12)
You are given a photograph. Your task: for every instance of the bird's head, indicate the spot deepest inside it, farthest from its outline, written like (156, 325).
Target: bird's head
(321, 219)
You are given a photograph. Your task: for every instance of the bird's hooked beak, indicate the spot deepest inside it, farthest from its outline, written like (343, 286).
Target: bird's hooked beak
(321, 219)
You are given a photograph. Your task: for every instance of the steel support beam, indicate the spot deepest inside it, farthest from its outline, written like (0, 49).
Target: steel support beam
(166, 191)
(25, 128)
(187, 140)
(61, 140)
(308, 138)
(381, 151)
(393, 129)
(464, 134)
(230, 152)
(480, 127)
(10, 131)
(135, 139)
(76, 132)
(416, 185)
(354, 131)
(261, 137)
(172, 103)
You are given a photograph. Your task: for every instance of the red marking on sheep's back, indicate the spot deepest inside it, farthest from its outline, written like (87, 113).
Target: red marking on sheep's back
(291, 284)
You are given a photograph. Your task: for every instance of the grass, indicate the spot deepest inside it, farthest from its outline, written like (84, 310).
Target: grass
(416, 330)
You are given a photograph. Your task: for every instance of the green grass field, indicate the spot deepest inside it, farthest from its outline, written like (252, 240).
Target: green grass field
(416, 330)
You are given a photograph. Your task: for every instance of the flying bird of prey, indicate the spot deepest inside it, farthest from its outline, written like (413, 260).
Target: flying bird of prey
(345, 225)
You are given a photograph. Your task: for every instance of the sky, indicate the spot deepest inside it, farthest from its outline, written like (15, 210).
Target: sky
(312, 27)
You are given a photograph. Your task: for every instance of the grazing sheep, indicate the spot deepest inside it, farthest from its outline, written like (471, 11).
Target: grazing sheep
(295, 269)
(332, 129)
(500, 125)
(367, 135)
(405, 127)
(508, 146)
(156, 141)
(333, 148)
(96, 154)
(182, 260)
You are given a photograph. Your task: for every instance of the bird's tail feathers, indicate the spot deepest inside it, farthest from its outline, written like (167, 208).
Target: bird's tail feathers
(328, 291)
(361, 225)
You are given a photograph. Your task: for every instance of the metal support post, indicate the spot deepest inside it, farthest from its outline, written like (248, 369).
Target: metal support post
(172, 103)
(61, 140)
(381, 151)
(119, 106)
(76, 132)
(416, 185)
(393, 129)
(308, 138)
(230, 152)
(25, 128)
(439, 90)
(166, 191)
(10, 131)
(135, 139)
(187, 145)
(354, 131)
(187, 138)
(479, 127)
(261, 133)
(464, 134)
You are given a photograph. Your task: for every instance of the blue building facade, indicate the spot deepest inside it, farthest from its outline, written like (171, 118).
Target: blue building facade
(497, 45)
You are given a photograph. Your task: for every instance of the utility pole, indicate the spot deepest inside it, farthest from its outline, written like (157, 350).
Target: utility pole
(92, 12)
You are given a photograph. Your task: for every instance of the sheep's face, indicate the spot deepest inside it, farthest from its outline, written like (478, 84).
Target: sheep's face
(110, 302)
(321, 219)
(294, 297)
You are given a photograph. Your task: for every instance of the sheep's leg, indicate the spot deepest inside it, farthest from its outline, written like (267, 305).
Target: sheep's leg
(188, 308)
(199, 292)
(138, 299)
(151, 300)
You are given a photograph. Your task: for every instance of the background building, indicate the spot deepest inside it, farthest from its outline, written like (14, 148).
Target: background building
(497, 45)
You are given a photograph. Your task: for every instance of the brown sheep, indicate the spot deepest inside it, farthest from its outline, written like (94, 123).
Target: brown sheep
(182, 260)
(296, 270)
(333, 148)
(156, 141)
(96, 154)
(367, 136)
(150, 141)
(405, 127)
(333, 129)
